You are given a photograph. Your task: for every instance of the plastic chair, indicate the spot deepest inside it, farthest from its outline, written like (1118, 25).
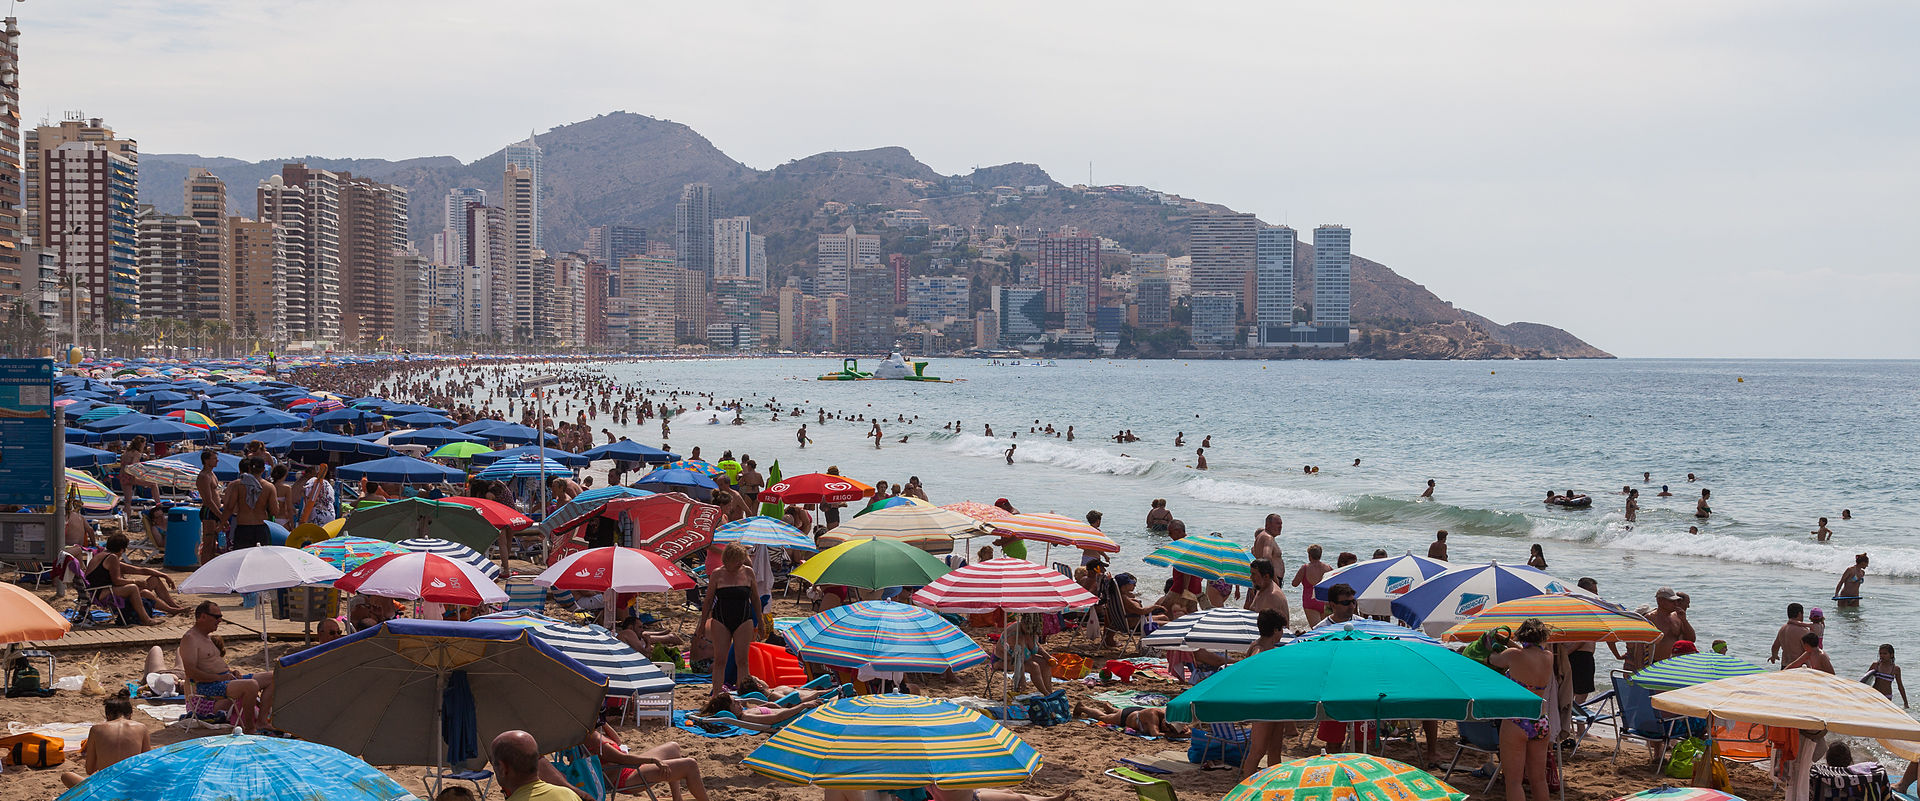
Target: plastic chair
(434, 780)
(1639, 721)
(1480, 737)
(1145, 788)
(660, 705)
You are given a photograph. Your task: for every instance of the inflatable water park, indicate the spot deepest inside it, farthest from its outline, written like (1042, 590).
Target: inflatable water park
(894, 368)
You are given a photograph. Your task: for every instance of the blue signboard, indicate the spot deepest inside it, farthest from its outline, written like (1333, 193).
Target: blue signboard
(27, 472)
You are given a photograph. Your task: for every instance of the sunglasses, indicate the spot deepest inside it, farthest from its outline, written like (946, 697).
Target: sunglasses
(1347, 602)
(214, 615)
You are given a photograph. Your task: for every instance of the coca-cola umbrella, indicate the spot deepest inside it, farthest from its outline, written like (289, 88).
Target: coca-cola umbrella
(815, 488)
(422, 577)
(669, 524)
(614, 570)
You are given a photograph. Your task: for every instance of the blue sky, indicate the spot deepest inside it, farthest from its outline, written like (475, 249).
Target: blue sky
(1663, 179)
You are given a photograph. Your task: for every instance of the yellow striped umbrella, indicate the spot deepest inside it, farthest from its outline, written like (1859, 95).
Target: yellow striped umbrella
(94, 495)
(1055, 530)
(875, 742)
(1802, 698)
(928, 528)
(1569, 618)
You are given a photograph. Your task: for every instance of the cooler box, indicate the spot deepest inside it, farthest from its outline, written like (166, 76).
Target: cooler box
(183, 537)
(306, 604)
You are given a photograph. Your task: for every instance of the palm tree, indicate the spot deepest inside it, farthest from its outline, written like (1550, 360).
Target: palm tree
(221, 332)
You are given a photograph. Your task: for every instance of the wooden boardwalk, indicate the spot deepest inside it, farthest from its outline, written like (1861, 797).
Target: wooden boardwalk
(167, 634)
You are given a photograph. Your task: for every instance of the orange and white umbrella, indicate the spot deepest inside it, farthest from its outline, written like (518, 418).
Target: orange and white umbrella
(24, 617)
(1055, 530)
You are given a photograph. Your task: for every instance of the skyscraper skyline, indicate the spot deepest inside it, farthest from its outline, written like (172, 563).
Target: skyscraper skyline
(693, 229)
(1274, 298)
(1332, 276)
(1221, 244)
(527, 155)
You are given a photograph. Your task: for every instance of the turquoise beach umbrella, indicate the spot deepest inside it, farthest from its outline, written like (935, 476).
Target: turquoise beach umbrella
(886, 636)
(1687, 670)
(760, 530)
(240, 766)
(1206, 557)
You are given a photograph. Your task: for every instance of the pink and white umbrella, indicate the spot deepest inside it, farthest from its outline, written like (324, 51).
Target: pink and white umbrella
(1054, 530)
(615, 569)
(1013, 585)
(422, 577)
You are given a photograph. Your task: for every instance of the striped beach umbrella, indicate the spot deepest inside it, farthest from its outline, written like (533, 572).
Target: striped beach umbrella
(1569, 618)
(94, 494)
(1366, 626)
(1377, 582)
(497, 513)
(1013, 585)
(524, 468)
(584, 504)
(628, 672)
(1679, 794)
(240, 766)
(887, 741)
(614, 569)
(983, 512)
(928, 528)
(1341, 777)
(422, 577)
(192, 418)
(1055, 530)
(758, 530)
(1206, 557)
(1687, 670)
(1222, 628)
(1446, 599)
(451, 550)
(346, 552)
(887, 637)
(1801, 698)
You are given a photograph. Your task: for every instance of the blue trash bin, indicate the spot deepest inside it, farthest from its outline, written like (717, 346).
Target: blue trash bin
(183, 537)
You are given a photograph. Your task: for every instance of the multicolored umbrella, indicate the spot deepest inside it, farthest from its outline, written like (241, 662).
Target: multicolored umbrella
(1377, 583)
(94, 494)
(765, 531)
(1687, 670)
(584, 504)
(1222, 628)
(346, 553)
(700, 466)
(890, 741)
(173, 471)
(1344, 777)
(1206, 557)
(240, 766)
(627, 671)
(1055, 530)
(195, 419)
(614, 569)
(1569, 618)
(1679, 794)
(422, 577)
(450, 550)
(1012, 585)
(929, 528)
(1443, 601)
(872, 564)
(815, 488)
(886, 637)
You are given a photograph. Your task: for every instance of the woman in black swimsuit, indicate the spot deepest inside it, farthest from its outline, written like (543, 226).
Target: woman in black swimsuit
(731, 612)
(108, 572)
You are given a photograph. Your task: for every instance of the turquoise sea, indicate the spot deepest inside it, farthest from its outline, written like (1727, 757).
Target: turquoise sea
(1780, 443)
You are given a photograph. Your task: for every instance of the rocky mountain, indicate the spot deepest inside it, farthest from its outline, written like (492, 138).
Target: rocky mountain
(627, 169)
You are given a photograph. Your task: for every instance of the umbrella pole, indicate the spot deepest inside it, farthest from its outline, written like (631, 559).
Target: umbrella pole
(260, 613)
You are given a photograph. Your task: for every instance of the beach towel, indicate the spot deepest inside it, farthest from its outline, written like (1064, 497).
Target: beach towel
(1162, 763)
(680, 721)
(692, 678)
(459, 722)
(1126, 698)
(165, 713)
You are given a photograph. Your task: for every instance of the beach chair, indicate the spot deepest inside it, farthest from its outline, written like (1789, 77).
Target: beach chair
(1639, 721)
(1741, 743)
(1145, 788)
(435, 779)
(522, 593)
(1483, 737)
(1828, 783)
(660, 705)
(1598, 709)
(1065, 569)
(1219, 742)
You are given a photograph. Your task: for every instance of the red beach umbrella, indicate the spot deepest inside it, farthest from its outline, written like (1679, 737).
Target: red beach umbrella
(422, 577)
(815, 488)
(499, 514)
(1012, 585)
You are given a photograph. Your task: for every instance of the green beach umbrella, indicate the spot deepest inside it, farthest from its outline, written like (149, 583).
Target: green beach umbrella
(409, 518)
(459, 450)
(1206, 557)
(872, 564)
(1343, 777)
(775, 510)
(1687, 670)
(1355, 676)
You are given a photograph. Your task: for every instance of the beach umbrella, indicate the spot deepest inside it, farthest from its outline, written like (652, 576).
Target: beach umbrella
(1206, 557)
(26, 618)
(103, 412)
(776, 509)
(700, 466)
(240, 766)
(333, 412)
(1802, 698)
(378, 693)
(502, 431)
(885, 637)
(892, 503)
(693, 483)
(116, 420)
(497, 513)
(758, 530)
(1569, 618)
(1004, 584)
(1377, 583)
(628, 672)
(891, 741)
(402, 470)
(1344, 777)
(266, 567)
(1366, 626)
(871, 564)
(530, 451)
(1687, 670)
(263, 420)
(614, 569)
(1355, 677)
(627, 450)
(423, 420)
(276, 440)
(195, 419)
(586, 503)
(1664, 793)
(815, 488)
(94, 494)
(319, 446)
(434, 437)
(182, 470)
(347, 552)
(451, 450)
(412, 408)
(422, 577)
(531, 466)
(83, 456)
(157, 431)
(669, 524)
(451, 550)
(419, 517)
(1222, 628)
(1446, 599)
(929, 528)
(1054, 529)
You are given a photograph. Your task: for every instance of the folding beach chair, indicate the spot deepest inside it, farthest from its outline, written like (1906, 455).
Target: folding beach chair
(1145, 788)
(435, 779)
(1483, 736)
(1639, 721)
(522, 593)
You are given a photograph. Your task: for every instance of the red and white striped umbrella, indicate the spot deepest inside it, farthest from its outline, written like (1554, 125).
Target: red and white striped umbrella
(1056, 530)
(422, 577)
(1014, 585)
(615, 569)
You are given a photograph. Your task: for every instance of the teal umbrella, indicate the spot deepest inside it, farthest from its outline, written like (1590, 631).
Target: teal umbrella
(1687, 670)
(240, 766)
(1354, 676)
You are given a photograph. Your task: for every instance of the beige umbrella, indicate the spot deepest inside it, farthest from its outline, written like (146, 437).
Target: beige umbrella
(1802, 698)
(929, 528)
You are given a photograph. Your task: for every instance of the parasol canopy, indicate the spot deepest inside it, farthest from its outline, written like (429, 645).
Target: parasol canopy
(1012, 585)
(893, 741)
(1802, 698)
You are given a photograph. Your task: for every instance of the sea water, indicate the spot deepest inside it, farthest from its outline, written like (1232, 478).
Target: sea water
(1780, 444)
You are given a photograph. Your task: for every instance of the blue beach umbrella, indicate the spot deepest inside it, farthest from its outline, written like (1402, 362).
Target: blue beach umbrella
(1447, 599)
(83, 456)
(886, 636)
(116, 418)
(1377, 582)
(767, 531)
(522, 468)
(501, 431)
(277, 440)
(157, 431)
(317, 446)
(355, 417)
(676, 480)
(877, 742)
(103, 412)
(627, 450)
(402, 470)
(567, 458)
(239, 766)
(586, 503)
(263, 420)
(424, 420)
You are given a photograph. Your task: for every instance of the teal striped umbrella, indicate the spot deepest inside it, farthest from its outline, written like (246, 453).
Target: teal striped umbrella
(700, 466)
(523, 467)
(888, 637)
(761, 530)
(240, 766)
(1687, 670)
(876, 742)
(1206, 557)
(347, 552)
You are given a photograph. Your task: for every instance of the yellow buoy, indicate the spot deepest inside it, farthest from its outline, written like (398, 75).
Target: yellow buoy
(1740, 380)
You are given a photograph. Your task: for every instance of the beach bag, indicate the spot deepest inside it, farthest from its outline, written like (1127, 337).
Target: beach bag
(1680, 764)
(1047, 710)
(35, 750)
(1485, 646)
(26, 678)
(1071, 666)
